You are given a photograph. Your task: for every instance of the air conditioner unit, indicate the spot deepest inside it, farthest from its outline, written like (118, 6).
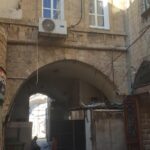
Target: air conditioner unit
(52, 27)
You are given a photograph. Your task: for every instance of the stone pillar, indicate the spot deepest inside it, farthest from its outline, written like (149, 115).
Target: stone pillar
(3, 48)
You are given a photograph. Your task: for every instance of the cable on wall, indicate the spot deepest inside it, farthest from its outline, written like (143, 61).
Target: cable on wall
(37, 62)
(139, 37)
(37, 45)
(81, 16)
(134, 42)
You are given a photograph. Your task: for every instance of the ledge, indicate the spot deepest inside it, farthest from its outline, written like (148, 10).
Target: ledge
(67, 45)
(18, 22)
(100, 32)
(35, 24)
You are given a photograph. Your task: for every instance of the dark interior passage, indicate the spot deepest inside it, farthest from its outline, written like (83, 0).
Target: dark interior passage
(70, 134)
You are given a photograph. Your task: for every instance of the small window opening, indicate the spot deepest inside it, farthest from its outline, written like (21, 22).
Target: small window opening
(39, 114)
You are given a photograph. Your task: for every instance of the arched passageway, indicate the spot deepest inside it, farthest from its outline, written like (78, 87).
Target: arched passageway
(73, 86)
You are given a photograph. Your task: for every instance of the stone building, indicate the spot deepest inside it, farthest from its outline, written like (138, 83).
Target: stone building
(87, 55)
(139, 73)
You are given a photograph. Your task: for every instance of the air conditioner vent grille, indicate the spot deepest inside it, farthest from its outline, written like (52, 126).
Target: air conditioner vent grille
(48, 25)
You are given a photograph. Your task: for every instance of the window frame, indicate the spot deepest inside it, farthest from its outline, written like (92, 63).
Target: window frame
(52, 9)
(95, 14)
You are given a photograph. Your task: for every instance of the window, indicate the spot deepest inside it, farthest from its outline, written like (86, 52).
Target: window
(53, 9)
(145, 8)
(146, 4)
(98, 14)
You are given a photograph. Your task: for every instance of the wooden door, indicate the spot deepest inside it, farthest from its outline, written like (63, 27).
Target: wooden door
(132, 129)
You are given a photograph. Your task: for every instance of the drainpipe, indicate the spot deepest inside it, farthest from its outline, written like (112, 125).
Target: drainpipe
(128, 56)
(3, 45)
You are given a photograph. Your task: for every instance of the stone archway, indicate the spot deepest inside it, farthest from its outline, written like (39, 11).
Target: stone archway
(71, 83)
(80, 70)
(72, 69)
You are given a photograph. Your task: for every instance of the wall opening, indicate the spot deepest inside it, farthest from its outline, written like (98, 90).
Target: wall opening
(38, 107)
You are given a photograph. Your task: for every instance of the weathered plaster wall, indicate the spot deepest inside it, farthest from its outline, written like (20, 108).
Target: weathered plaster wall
(10, 9)
(6, 4)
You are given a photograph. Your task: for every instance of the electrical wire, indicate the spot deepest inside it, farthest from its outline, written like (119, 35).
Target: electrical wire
(139, 37)
(81, 16)
(114, 59)
(37, 63)
(37, 47)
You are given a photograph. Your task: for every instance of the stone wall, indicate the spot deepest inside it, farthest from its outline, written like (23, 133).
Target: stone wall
(31, 11)
(22, 62)
(139, 51)
(104, 50)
